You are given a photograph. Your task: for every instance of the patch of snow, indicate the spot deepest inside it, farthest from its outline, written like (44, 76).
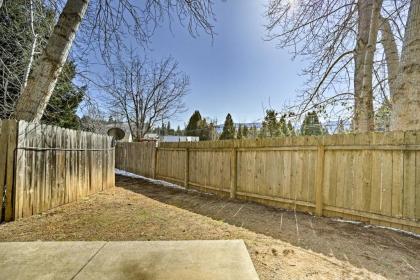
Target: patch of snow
(153, 181)
(395, 229)
(346, 221)
(375, 226)
(157, 182)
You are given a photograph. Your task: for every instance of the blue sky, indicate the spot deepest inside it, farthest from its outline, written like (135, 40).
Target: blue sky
(238, 72)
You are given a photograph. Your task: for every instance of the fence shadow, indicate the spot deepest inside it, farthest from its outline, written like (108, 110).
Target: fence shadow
(367, 247)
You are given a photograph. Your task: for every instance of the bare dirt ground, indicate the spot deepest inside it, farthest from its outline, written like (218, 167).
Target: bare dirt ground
(282, 244)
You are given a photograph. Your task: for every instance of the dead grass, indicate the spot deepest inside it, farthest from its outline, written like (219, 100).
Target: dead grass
(282, 244)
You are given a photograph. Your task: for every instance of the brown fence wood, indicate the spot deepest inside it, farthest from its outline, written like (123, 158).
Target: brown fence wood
(42, 167)
(371, 177)
(7, 155)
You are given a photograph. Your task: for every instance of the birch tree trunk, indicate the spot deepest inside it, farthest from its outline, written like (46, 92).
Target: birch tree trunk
(33, 48)
(369, 12)
(406, 102)
(391, 54)
(41, 82)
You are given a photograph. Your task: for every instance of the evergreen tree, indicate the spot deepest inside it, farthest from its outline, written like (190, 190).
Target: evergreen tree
(228, 129)
(270, 125)
(63, 104)
(290, 128)
(245, 132)
(162, 129)
(311, 125)
(193, 123)
(178, 131)
(239, 132)
(253, 132)
(283, 126)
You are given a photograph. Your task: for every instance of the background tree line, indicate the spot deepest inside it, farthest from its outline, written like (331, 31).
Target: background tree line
(273, 125)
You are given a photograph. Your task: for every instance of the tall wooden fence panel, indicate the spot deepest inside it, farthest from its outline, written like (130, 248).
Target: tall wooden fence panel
(371, 177)
(52, 166)
(138, 158)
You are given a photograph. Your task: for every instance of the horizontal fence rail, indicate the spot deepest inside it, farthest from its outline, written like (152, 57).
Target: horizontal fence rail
(42, 166)
(371, 177)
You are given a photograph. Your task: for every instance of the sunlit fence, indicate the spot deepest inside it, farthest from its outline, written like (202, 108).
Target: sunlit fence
(372, 177)
(42, 167)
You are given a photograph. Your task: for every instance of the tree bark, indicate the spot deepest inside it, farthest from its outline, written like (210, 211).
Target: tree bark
(369, 12)
(406, 102)
(41, 82)
(391, 54)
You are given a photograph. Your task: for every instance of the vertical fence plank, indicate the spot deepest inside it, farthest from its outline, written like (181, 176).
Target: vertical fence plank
(187, 167)
(8, 138)
(409, 176)
(234, 173)
(319, 180)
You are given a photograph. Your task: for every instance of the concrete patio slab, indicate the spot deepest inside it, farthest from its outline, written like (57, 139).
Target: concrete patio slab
(144, 260)
(45, 260)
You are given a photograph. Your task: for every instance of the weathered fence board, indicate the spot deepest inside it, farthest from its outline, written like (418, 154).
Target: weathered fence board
(138, 158)
(44, 166)
(372, 177)
(7, 155)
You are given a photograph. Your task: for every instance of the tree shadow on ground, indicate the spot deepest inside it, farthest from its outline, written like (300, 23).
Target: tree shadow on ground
(368, 247)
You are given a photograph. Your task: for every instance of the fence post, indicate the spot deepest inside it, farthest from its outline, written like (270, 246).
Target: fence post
(187, 167)
(319, 181)
(155, 153)
(233, 173)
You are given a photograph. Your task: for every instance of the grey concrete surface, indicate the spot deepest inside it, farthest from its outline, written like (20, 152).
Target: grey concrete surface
(143, 260)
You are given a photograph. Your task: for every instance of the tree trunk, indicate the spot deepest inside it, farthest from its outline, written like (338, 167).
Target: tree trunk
(391, 54)
(369, 12)
(41, 82)
(406, 102)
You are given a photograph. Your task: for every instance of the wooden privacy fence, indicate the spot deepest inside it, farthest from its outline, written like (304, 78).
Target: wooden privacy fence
(42, 167)
(373, 177)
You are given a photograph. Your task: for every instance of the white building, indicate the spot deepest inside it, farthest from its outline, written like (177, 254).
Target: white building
(173, 138)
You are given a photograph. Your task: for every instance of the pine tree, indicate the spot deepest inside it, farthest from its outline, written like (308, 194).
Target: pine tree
(193, 123)
(311, 125)
(245, 132)
(270, 125)
(62, 106)
(253, 132)
(228, 129)
(178, 131)
(290, 128)
(203, 130)
(239, 132)
(283, 126)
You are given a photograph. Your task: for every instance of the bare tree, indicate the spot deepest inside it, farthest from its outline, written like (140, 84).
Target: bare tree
(406, 101)
(106, 20)
(146, 93)
(24, 28)
(348, 70)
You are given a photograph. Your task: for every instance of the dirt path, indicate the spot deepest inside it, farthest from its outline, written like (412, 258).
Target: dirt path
(282, 244)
